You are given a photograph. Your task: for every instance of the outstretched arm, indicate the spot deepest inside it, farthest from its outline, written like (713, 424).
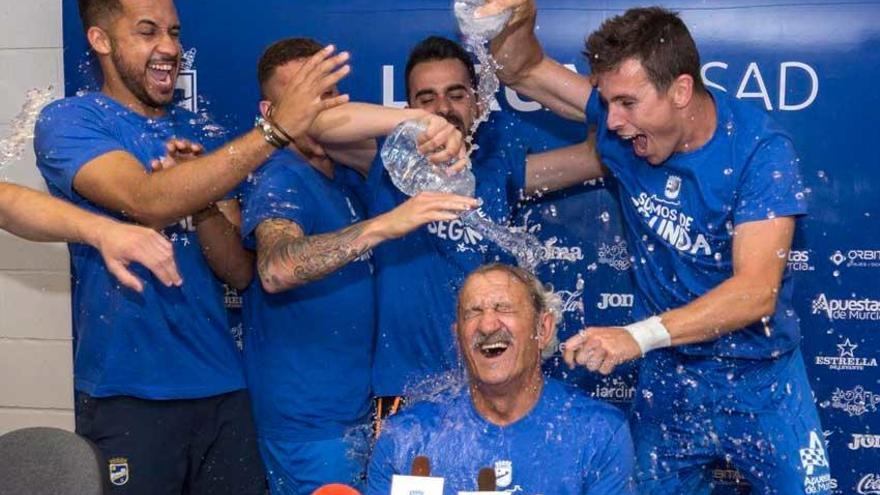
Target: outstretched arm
(117, 181)
(527, 69)
(39, 217)
(563, 167)
(760, 253)
(287, 258)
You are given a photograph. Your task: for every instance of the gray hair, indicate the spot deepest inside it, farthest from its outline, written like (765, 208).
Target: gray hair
(542, 297)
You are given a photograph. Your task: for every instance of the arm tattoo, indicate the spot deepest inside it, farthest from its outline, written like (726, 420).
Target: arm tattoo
(288, 260)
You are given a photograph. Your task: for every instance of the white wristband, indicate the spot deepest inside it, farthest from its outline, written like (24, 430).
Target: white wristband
(650, 334)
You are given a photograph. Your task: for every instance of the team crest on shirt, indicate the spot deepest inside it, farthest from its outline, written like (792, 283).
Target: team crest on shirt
(503, 473)
(673, 187)
(118, 470)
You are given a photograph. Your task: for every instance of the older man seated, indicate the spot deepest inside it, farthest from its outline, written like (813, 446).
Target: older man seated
(538, 435)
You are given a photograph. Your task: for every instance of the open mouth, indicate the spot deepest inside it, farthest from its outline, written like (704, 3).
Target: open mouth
(161, 75)
(639, 143)
(493, 350)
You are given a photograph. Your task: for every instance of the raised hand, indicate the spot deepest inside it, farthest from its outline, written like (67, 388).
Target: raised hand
(521, 8)
(177, 151)
(424, 208)
(441, 142)
(302, 98)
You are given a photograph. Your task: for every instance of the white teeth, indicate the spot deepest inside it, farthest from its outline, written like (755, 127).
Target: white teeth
(165, 67)
(496, 345)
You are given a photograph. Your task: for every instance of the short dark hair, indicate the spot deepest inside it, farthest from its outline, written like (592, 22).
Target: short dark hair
(438, 48)
(281, 52)
(95, 12)
(654, 36)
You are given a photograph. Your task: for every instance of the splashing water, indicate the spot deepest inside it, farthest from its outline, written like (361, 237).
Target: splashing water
(477, 33)
(22, 126)
(412, 173)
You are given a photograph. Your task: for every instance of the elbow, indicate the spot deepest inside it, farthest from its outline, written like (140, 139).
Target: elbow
(149, 215)
(241, 279)
(764, 303)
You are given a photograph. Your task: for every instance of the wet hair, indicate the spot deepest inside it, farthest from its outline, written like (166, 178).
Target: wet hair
(654, 36)
(434, 48)
(97, 12)
(542, 297)
(282, 52)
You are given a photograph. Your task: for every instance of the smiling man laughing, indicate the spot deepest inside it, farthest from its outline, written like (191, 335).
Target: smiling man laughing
(538, 435)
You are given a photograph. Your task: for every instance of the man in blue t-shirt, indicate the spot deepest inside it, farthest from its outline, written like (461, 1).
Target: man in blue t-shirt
(310, 318)
(419, 274)
(537, 435)
(159, 382)
(710, 189)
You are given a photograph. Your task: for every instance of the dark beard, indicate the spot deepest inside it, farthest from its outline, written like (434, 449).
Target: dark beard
(134, 81)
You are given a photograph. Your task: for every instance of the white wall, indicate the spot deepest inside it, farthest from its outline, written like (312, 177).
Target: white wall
(36, 383)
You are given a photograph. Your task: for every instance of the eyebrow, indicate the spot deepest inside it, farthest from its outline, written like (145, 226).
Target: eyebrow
(430, 91)
(154, 24)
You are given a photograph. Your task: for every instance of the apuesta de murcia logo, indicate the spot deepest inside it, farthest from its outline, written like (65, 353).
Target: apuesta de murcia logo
(864, 441)
(799, 261)
(815, 464)
(846, 360)
(847, 309)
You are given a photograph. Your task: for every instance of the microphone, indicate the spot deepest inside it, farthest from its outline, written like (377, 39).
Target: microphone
(486, 480)
(421, 466)
(336, 489)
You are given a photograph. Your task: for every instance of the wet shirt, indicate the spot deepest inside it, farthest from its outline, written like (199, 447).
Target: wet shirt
(419, 274)
(679, 217)
(308, 350)
(167, 342)
(567, 444)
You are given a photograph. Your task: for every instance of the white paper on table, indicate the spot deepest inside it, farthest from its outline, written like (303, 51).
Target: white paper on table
(416, 485)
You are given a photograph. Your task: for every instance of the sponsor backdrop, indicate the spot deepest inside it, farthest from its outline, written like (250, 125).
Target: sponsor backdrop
(812, 64)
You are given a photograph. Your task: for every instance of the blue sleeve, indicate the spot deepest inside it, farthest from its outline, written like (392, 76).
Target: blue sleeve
(611, 470)
(771, 184)
(381, 467)
(594, 111)
(67, 136)
(276, 193)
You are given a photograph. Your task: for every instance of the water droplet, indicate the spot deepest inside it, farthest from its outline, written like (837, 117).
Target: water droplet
(728, 171)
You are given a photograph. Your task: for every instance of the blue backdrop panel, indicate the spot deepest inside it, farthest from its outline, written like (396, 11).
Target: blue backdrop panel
(813, 65)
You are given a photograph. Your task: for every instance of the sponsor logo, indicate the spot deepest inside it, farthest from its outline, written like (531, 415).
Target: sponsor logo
(615, 255)
(456, 231)
(869, 485)
(503, 473)
(671, 224)
(187, 87)
(552, 252)
(855, 402)
(612, 300)
(812, 457)
(799, 261)
(119, 473)
(238, 335)
(617, 391)
(572, 300)
(231, 298)
(864, 441)
(847, 360)
(673, 187)
(847, 309)
(728, 477)
(857, 258)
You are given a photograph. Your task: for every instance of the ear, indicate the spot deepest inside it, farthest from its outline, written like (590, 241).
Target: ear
(681, 91)
(546, 329)
(265, 105)
(99, 40)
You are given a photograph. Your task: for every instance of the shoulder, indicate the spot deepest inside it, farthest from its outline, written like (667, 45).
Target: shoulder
(92, 105)
(750, 125)
(583, 412)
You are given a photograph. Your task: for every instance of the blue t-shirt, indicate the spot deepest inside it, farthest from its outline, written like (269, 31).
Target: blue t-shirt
(567, 444)
(308, 350)
(680, 216)
(419, 274)
(168, 342)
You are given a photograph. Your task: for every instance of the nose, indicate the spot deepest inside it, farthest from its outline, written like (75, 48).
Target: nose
(489, 322)
(168, 45)
(615, 120)
(442, 105)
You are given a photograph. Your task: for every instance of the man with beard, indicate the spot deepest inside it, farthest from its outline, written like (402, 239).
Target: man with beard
(539, 435)
(710, 190)
(159, 383)
(315, 298)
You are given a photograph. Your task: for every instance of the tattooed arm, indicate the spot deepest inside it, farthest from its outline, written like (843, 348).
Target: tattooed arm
(288, 258)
